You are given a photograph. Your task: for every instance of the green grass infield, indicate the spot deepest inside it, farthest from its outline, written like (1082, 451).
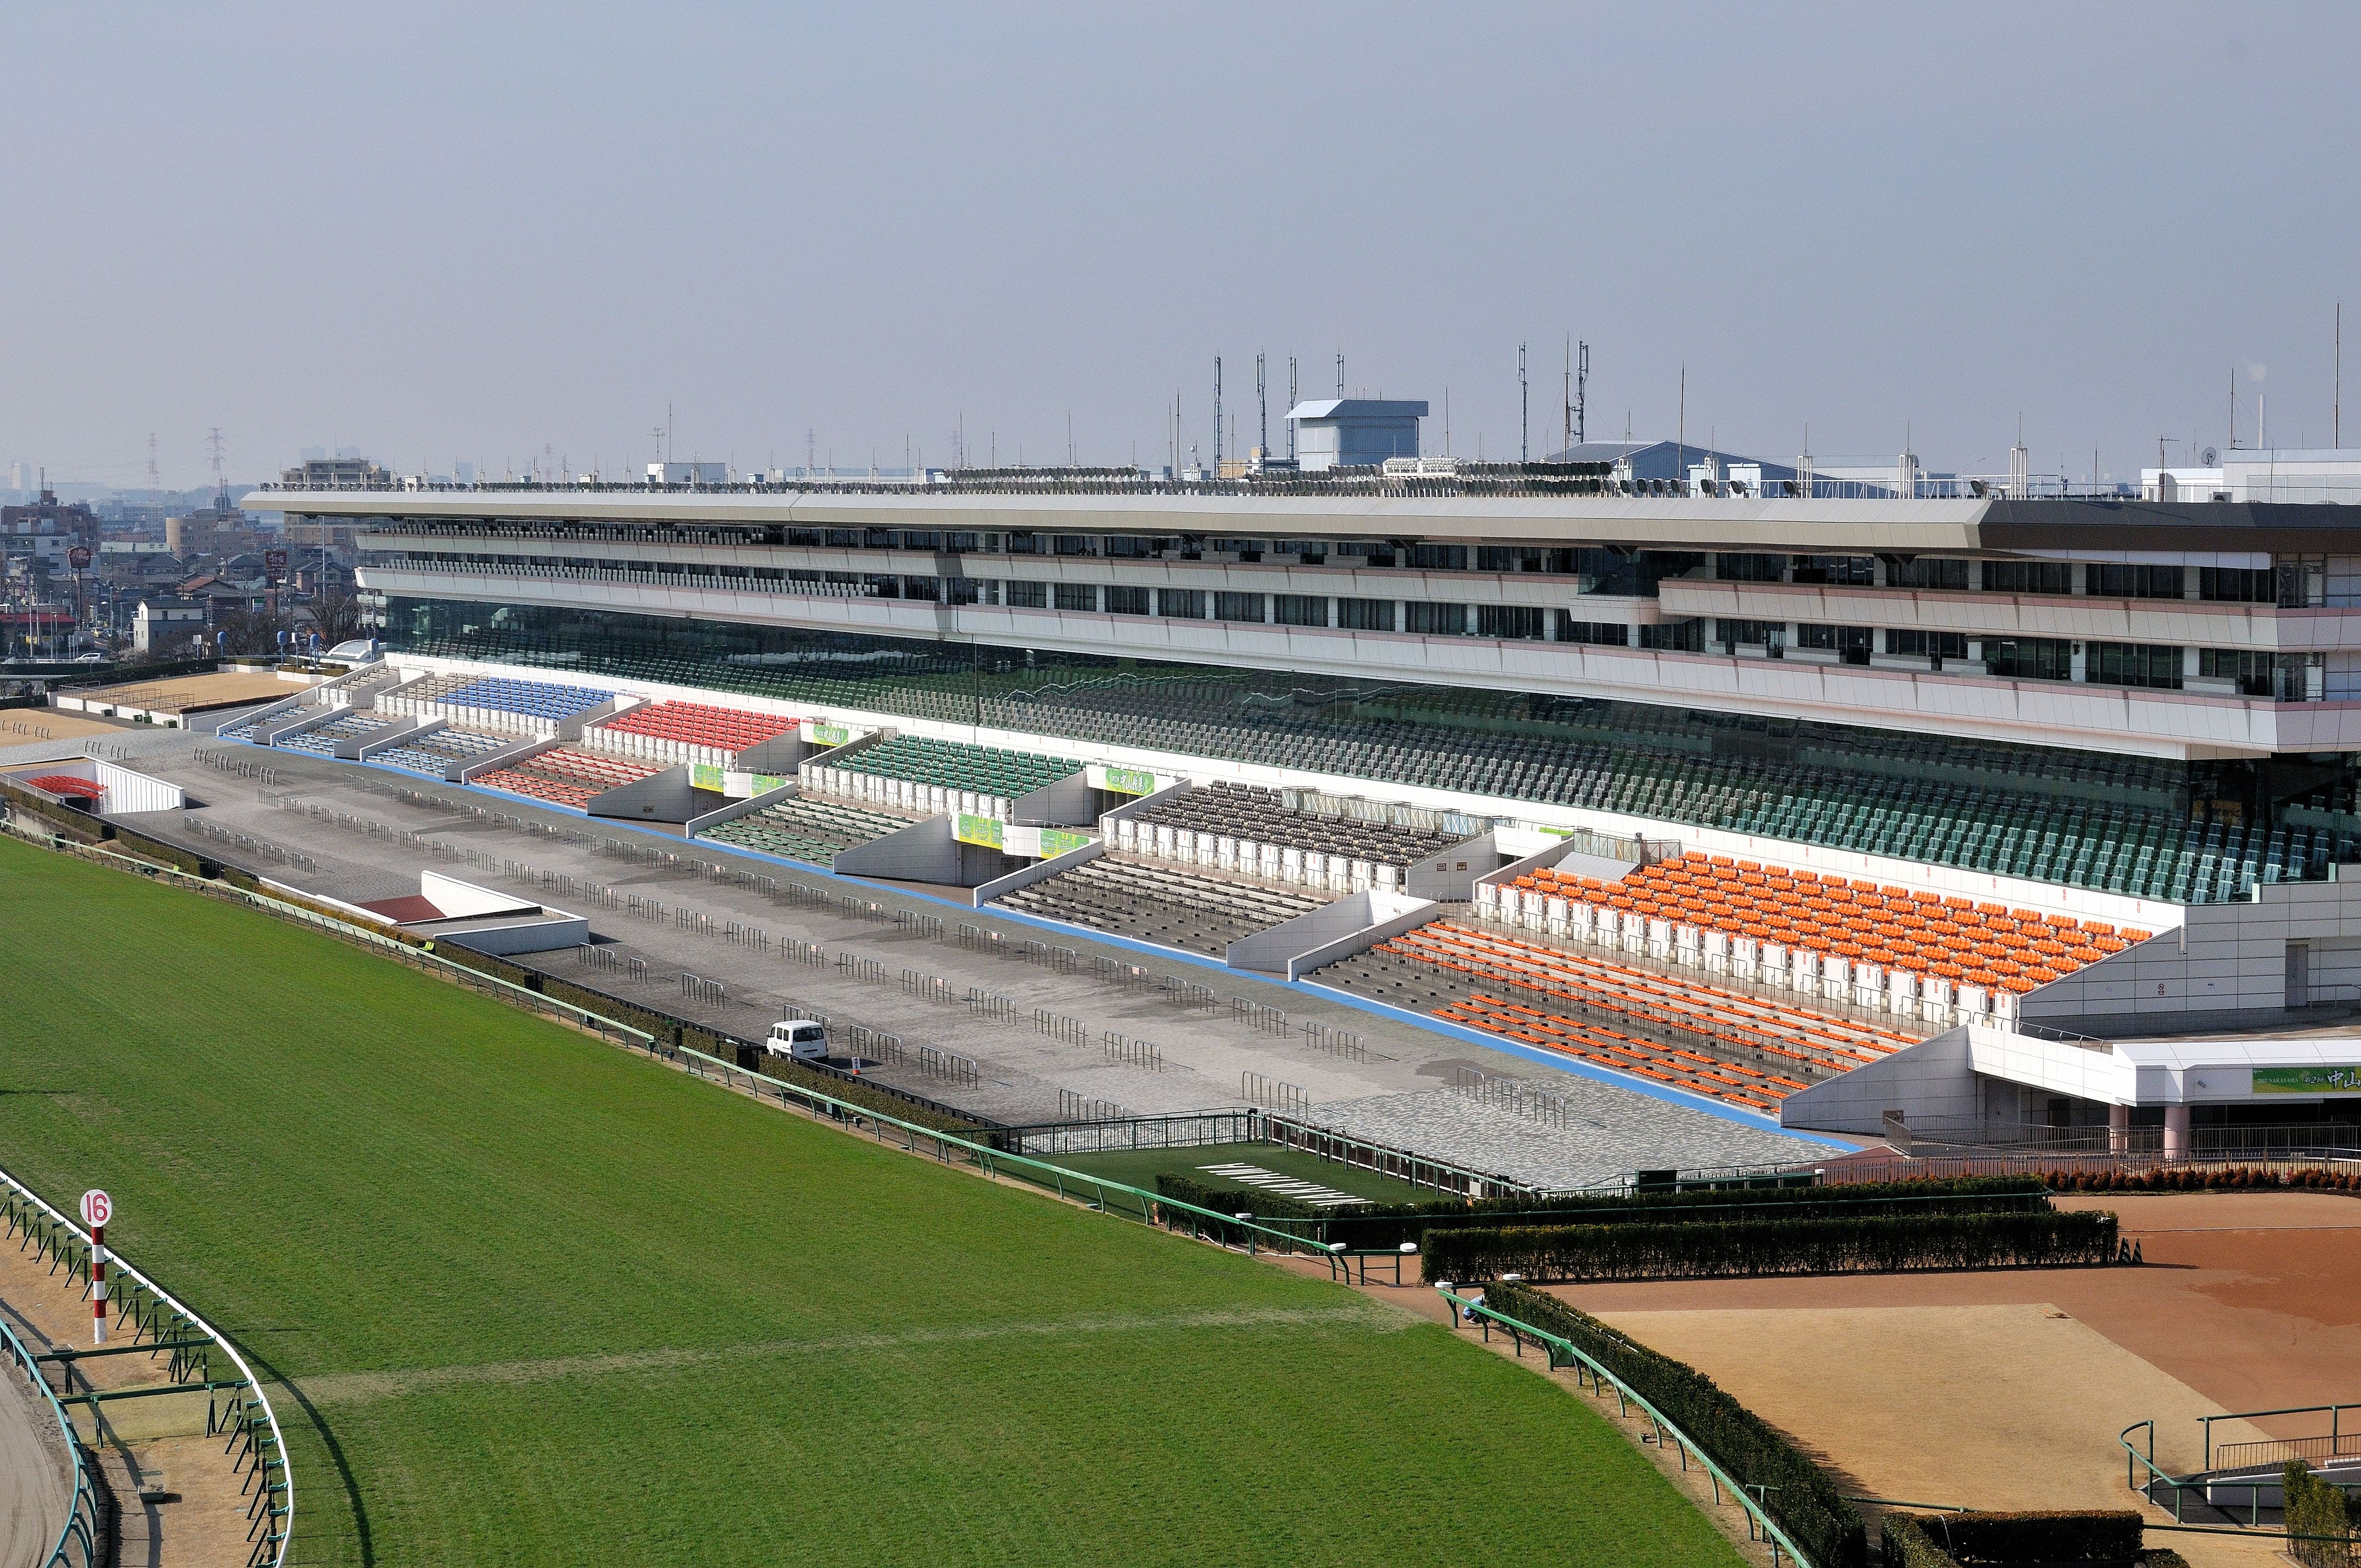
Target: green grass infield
(534, 1299)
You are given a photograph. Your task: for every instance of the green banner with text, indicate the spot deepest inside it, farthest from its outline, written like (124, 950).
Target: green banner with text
(2346, 1079)
(984, 830)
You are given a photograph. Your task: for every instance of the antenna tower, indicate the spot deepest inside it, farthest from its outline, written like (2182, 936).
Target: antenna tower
(1581, 393)
(221, 485)
(1262, 406)
(1217, 416)
(1291, 408)
(1524, 411)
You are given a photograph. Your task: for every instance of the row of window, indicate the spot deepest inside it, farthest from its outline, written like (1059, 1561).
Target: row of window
(1600, 570)
(2017, 658)
(2286, 584)
(2162, 666)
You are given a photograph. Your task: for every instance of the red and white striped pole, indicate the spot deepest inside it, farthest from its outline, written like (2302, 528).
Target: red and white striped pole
(97, 1208)
(98, 1285)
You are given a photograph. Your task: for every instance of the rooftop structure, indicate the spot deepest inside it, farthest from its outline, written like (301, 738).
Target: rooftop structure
(1353, 432)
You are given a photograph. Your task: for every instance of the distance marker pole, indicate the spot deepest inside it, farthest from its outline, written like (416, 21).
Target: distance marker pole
(98, 1285)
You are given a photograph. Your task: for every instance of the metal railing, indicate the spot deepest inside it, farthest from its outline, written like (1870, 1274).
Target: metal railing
(237, 1407)
(2331, 1444)
(77, 1542)
(1563, 1354)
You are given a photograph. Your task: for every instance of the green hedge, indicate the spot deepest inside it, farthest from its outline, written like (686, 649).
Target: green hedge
(1862, 1196)
(2313, 1506)
(1803, 1498)
(2007, 1540)
(2205, 1179)
(1879, 1243)
(1223, 1200)
(1903, 1543)
(1383, 1226)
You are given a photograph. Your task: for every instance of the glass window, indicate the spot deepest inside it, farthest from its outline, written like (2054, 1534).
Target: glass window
(1750, 568)
(1079, 595)
(1439, 558)
(1238, 607)
(2248, 669)
(1732, 633)
(1508, 620)
(1180, 603)
(1852, 641)
(1836, 571)
(1674, 636)
(2235, 584)
(1608, 633)
(1931, 573)
(2133, 664)
(1936, 645)
(1124, 600)
(930, 588)
(1432, 619)
(2134, 582)
(1366, 615)
(2029, 658)
(1028, 595)
(2028, 577)
(1298, 610)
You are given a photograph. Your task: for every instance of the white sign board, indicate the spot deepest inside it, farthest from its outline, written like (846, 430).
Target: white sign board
(97, 1208)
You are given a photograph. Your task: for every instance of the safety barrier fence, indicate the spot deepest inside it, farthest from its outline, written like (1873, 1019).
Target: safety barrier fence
(77, 1542)
(1565, 1355)
(237, 1408)
(2334, 1443)
(1417, 1169)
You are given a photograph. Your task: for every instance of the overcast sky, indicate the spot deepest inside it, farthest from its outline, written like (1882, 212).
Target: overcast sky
(475, 232)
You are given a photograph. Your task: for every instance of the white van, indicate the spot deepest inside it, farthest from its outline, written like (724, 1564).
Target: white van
(801, 1039)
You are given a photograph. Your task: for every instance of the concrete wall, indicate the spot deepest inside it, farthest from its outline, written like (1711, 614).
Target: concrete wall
(1039, 870)
(538, 935)
(779, 756)
(531, 746)
(1133, 807)
(128, 793)
(1069, 803)
(1451, 874)
(1934, 1079)
(370, 744)
(2223, 958)
(667, 796)
(738, 808)
(572, 726)
(924, 852)
(402, 728)
(1342, 926)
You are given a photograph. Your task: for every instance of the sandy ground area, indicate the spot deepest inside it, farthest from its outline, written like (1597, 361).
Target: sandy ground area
(2007, 1389)
(178, 693)
(23, 726)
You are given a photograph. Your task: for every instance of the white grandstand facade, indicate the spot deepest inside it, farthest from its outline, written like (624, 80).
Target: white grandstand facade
(2129, 713)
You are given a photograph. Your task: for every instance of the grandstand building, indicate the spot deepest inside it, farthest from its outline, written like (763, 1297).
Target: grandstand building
(2082, 727)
